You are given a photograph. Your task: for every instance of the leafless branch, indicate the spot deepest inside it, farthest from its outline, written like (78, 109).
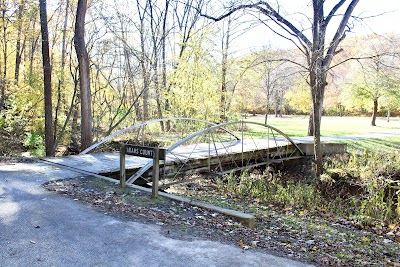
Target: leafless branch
(266, 9)
(333, 12)
(339, 35)
(302, 48)
(357, 59)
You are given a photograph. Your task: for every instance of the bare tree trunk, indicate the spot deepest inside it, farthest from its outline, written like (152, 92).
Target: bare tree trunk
(31, 59)
(48, 120)
(68, 114)
(143, 60)
(318, 74)
(164, 65)
(146, 80)
(388, 115)
(18, 50)
(374, 112)
(317, 83)
(279, 103)
(311, 124)
(3, 82)
(156, 50)
(33, 45)
(84, 75)
(75, 129)
(268, 98)
(317, 106)
(224, 70)
(61, 79)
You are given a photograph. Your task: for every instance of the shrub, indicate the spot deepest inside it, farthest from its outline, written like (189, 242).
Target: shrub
(34, 142)
(376, 175)
(362, 186)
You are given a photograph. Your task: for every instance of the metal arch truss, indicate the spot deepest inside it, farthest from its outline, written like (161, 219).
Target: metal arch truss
(198, 146)
(140, 128)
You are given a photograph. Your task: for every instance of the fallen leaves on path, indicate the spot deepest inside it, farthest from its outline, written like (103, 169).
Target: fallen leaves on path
(316, 237)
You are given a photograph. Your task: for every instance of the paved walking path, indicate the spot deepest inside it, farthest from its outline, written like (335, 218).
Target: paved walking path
(40, 228)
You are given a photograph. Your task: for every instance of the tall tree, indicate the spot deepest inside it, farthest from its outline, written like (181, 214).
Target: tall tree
(48, 106)
(187, 15)
(19, 49)
(163, 61)
(377, 79)
(224, 69)
(317, 50)
(84, 75)
(61, 78)
(5, 21)
(144, 62)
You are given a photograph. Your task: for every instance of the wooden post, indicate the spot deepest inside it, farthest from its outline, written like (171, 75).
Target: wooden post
(155, 153)
(209, 151)
(242, 141)
(156, 173)
(122, 172)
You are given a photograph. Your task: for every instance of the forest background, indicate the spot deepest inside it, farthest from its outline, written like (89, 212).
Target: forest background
(153, 59)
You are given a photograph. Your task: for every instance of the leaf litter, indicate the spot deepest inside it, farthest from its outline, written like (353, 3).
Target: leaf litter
(315, 237)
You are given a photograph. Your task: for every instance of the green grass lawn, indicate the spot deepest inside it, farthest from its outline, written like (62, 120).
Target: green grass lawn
(385, 144)
(330, 126)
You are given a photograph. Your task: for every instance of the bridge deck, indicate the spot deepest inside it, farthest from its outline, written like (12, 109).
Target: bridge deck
(109, 162)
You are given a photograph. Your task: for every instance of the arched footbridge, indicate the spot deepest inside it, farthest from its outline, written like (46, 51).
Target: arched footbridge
(192, 146)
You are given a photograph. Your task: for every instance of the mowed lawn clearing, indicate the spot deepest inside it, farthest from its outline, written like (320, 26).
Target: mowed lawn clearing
(330, 126)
